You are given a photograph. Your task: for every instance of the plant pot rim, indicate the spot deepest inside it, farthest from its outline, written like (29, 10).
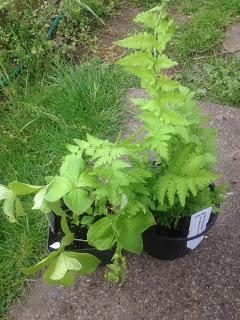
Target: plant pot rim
(211, 222)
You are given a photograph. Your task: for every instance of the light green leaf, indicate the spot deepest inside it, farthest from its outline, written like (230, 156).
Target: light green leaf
(4, 192)
(71, 167)
(40, 265)
(171, 191)
(87, 180)
(78, 201)
(9, 207)
(142, 40)
(58, 188)
(63, 264)
(67, 281)
(39, 198)
(182, 189)
(88, 262)
(22, 188)
(19, 208)
(100, 235)
(130, 230)
(56, 208)
(86, 220)
(72, 148)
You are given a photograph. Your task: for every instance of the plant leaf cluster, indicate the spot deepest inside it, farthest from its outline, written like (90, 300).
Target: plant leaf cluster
(113, 190)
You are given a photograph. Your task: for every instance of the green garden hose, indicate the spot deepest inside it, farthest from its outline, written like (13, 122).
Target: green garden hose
(19, 68)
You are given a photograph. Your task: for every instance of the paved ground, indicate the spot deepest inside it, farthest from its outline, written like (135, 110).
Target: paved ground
(231, 42)
(202, 285)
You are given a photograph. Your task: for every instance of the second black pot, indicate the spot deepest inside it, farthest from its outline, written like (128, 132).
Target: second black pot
(169, 247)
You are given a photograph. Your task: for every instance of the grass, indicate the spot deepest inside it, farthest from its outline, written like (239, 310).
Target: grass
(200, 33)
(35, 124)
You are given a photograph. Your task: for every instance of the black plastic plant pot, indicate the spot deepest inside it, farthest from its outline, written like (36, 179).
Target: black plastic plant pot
(55, 236)
(168, 246)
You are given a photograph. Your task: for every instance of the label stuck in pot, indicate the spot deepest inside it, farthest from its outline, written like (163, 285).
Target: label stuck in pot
(198, 224)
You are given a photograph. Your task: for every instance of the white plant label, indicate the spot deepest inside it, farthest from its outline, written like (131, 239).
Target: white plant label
(55, 245)
(198, 224)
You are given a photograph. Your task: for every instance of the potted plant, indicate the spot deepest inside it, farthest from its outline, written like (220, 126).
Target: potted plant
(184, 150)
(101, 202)
(108, 194)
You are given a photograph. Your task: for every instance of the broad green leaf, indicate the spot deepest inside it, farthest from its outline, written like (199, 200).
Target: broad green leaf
(78, 201)
(86, 220)
(9, 207)
(58, 188)
(88, 262)
(71, 167)
(63, 265)
(67, 281)
(130, 230)
(101, 235)
(19, 208)
(39, 198)
(56, 208)
(40, 265)
(87, 180)
(4, 192)
(22, 188)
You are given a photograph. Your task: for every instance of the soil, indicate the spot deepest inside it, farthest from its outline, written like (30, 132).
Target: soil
(117, 27)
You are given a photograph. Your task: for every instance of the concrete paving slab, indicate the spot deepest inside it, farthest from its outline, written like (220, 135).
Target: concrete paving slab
(205, 285)
(232, 39)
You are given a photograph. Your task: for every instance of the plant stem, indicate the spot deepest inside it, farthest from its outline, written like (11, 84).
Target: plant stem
(80, 240)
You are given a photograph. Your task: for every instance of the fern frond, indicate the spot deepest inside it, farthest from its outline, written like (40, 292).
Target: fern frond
(142, 41)
(163, 183)
(148, 18)
(143, 59)
(171, 191)
(164, 62)
(182, 189)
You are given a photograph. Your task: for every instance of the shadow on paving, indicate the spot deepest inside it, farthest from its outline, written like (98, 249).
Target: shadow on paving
(202, 285)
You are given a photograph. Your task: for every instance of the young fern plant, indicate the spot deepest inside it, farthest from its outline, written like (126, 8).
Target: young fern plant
(173, 124)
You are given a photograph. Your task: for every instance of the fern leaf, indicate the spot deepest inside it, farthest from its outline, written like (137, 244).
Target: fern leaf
(171, 191)
(182, 189)
(143, 73)
(164, 62)
(167, 84)
(204, 178)
(137, 59)
(147, 18)
(142, 41)
(192, 186)
(163, 183)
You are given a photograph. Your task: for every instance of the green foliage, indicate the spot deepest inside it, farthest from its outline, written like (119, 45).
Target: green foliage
(94, 180)
(172, 122)
(115, 187)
